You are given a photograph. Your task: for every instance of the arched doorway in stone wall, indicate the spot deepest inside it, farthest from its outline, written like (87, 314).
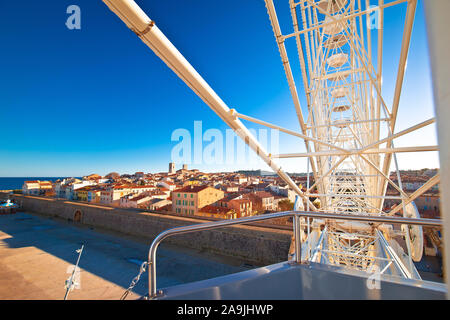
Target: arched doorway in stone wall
(78, 215)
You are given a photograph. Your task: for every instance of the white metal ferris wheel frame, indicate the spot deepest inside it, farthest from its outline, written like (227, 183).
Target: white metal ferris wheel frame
(312, 34)
(349, 179)
(363, 185)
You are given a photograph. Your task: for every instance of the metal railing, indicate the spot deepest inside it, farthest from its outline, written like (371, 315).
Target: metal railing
(296, 230)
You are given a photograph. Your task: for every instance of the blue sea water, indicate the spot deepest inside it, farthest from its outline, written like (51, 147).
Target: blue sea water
(13, 183)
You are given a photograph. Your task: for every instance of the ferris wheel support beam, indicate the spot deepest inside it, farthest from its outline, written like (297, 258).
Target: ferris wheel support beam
(357, 196)
(346, 155)
(369, 37)
(399, 134)
(293, 133)
(386, 178)
(288, 72)
(300, 50)
(350, 16)
(287, 69)
(406, 41)
(379, 64)
(430, 183)
(358, 53)
(333, 124)
(316, 182)
(356, 152)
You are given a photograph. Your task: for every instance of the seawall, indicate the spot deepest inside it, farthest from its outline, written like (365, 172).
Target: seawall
(257, 245)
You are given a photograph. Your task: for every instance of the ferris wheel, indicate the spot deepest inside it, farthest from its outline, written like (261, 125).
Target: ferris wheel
(348, 129)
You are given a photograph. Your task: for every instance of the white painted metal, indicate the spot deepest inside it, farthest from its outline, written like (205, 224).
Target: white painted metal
(345, 109)
(439, 44)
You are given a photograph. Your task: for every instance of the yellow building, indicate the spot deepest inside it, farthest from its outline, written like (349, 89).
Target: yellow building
(37, 187)
(188, 200)
(82, 194)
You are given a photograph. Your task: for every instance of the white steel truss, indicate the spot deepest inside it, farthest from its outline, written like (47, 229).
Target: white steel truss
(346, 113)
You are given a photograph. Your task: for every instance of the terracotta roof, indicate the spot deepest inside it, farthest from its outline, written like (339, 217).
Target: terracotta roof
(260, 194)
(214, 209)
(167, 207)
(138, 197)
(156, 193)
(241, 200)
(192, 189)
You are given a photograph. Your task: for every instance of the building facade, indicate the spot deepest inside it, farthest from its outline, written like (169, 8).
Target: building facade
(190, 199)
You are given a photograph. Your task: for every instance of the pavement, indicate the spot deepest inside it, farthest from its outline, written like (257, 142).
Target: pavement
(37, 256)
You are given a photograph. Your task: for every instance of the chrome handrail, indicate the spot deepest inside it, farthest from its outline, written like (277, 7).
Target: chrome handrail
(296, 214)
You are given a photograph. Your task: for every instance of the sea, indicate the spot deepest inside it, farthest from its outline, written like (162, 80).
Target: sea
(14, 183)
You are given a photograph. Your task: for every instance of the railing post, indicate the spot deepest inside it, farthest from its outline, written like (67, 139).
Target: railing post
(152, 266)
(152, 277)
(298, 240)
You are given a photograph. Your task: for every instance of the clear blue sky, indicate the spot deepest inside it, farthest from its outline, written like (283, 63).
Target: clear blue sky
(74, 102)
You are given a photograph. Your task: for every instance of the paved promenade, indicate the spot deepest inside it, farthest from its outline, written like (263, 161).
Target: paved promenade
(36, 254)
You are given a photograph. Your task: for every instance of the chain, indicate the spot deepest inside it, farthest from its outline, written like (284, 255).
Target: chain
(135, 280)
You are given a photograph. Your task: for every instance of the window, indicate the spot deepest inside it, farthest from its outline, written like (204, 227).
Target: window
(185, 195)
(178, 195)
(192, 195)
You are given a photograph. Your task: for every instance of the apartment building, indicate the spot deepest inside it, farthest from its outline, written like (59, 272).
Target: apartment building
(72, 187)
(242, 207)
(134, 200)
(139, 175)
(82, 194)
(94, 194)
(36, 187)
(262, 200)
(156, 204)
(167, 184)
(188, 200)
(114, 193)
